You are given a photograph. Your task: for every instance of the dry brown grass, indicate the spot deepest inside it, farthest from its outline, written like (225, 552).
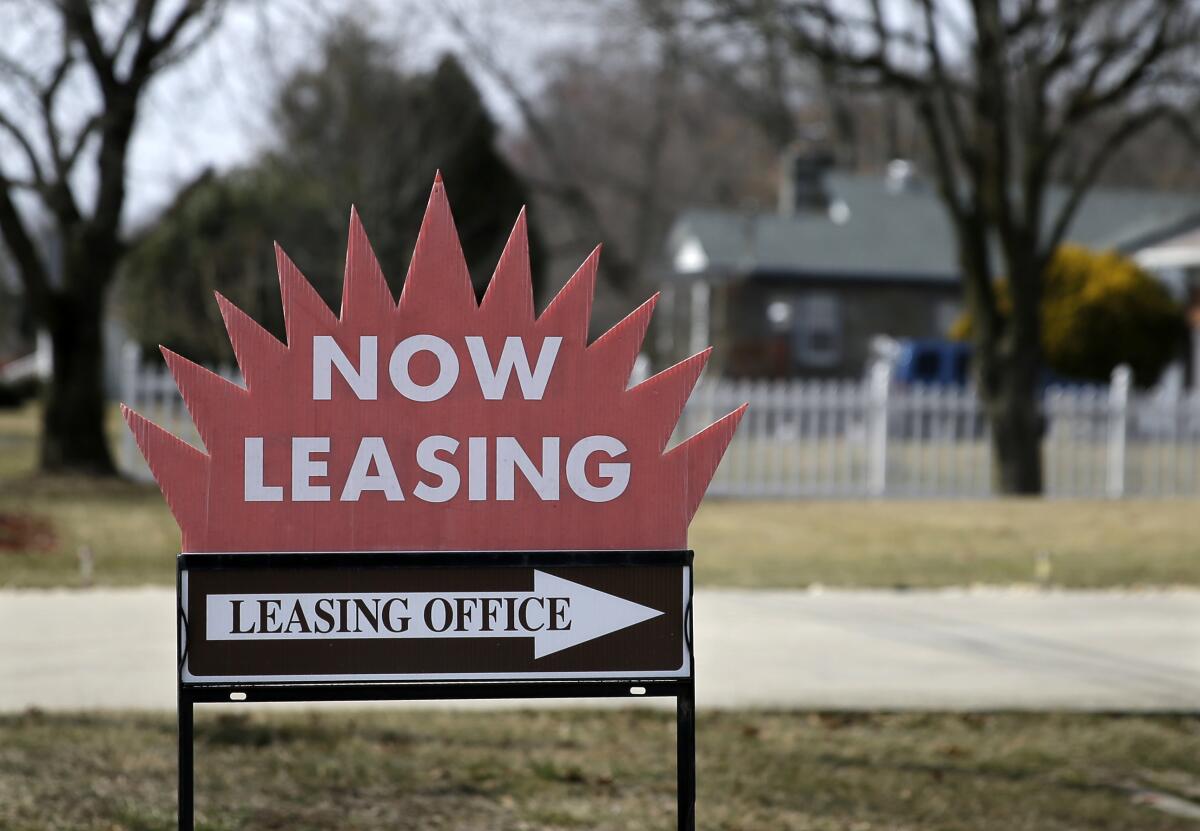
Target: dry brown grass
(1090, 544)
(601, 770)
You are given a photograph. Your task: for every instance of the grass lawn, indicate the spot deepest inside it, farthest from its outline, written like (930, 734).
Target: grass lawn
(775, 544)
(1085, 544)
(601, 770)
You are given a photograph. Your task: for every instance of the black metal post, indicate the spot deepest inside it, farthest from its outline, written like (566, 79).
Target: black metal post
(685, 753)
(186, 802)
(185, 708)
(683, 688)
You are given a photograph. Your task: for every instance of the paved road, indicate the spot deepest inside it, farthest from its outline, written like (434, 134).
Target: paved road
(960, 649)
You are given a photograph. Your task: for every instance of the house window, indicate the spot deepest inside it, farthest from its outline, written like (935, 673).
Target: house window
(817, 336)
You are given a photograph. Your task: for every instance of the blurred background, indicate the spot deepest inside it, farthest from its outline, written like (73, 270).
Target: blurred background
(948, 250)
(939, 259)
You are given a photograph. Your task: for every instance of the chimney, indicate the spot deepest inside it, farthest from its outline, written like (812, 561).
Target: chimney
(903, 177)
(802, 186)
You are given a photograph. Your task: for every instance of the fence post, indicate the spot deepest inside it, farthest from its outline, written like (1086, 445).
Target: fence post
(1118, 417)
(131, 367)
(43, 361)
(879, 381)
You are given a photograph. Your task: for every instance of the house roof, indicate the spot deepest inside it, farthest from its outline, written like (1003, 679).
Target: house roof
(1172, 251)
(873, 231)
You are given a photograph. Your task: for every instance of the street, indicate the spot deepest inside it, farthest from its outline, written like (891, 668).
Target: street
(957, 649)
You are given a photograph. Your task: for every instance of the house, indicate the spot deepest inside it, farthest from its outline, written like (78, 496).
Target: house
(801, 291)
(1174, 255)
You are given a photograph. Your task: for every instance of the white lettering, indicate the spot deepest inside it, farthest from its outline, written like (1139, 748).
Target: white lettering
(255, 490)
(616, 473)
(429, 462)
(494, 383)
(439, 472)
(327, 355)
(510, 456)
(477, 488)
(304, 468)
(447, 368)
(360, 478)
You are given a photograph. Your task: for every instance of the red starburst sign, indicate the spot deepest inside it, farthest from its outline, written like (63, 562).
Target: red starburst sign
(435, 498)
(436, 423)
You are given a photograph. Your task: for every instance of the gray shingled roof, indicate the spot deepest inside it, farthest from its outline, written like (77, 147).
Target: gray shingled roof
(903, 234)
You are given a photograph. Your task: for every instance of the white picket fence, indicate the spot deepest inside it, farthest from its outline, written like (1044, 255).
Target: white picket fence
(150, 389)
(870, 438)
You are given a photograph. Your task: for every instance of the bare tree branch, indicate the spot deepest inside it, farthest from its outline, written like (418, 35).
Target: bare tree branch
(22, 140)
(150, 48)
(77, 16)
(1094, 164)
(89, 129)
(15, 70)
(569, 192)
(136, 23)
(1090, 99)
(30, 268)
(180, 48)
(58, 193)
(946, 91)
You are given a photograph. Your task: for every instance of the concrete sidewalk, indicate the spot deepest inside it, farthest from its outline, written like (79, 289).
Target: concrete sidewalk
(955, 649)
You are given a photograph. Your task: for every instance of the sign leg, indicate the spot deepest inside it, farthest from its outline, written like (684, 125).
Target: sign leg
(186, 806)
(685, 752)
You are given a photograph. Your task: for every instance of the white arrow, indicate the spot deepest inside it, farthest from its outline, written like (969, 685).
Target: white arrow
(596, 613)
(557, 614)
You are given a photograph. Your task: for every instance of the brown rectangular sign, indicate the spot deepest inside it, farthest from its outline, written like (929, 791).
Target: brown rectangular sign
(421, 618)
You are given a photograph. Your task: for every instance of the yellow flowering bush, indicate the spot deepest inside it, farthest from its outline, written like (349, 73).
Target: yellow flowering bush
(1100, 309)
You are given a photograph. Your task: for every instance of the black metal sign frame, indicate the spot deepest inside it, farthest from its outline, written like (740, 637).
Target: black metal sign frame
(192, 693)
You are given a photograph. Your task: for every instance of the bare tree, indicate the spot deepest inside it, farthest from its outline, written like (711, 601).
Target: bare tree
(557, 174)
(619, 131)
(72, 159)
(1022, 103)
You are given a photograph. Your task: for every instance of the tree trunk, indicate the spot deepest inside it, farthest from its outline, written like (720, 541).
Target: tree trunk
(73, 416)
(1015, 416)
(1007, 362)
